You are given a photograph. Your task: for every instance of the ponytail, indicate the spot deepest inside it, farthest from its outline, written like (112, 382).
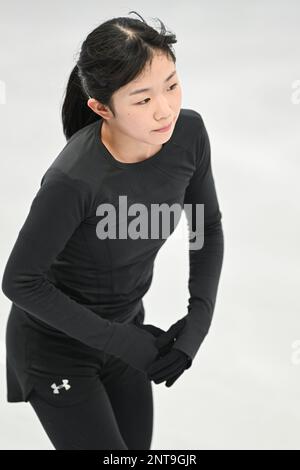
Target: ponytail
(75, 111)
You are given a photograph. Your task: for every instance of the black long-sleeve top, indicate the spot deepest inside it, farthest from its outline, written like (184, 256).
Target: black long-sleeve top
(61, 272)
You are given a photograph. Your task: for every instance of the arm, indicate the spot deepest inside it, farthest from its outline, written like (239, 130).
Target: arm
(206, 262)
(56, 211)
(205, 268)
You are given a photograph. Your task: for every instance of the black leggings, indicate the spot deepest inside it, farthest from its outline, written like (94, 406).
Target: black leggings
(117, 412)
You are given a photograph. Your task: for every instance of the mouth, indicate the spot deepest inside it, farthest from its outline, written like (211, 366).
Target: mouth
(164, 129)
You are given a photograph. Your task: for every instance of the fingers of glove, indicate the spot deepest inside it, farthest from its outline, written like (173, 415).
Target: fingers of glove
(166, 374)
(166, 367)
(173, 379)
(168, 370)
(163, 362)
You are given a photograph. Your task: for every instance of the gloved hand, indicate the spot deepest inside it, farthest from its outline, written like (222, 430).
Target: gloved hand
(166, 338)
(134, 343)
(171, 362)
(169, 367)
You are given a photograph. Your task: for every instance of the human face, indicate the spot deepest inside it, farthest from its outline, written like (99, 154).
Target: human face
(139, 115)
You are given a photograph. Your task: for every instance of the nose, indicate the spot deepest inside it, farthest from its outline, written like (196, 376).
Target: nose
(163, 114)
(164, 121)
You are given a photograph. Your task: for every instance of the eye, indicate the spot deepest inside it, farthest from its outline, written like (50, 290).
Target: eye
(171, 87)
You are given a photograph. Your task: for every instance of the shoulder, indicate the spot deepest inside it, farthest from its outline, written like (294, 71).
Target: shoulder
(191, 136)
(77, 164)
(190, 120)
(56, 177)
(73, 170)
(60, 189)
(190, 128)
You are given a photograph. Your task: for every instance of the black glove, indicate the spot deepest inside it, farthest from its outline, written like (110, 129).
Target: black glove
(134, 343)
(169, 367)
(166, 338)
(171, 362)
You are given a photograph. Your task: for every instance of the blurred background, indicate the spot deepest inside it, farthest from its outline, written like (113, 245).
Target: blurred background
(239, 66)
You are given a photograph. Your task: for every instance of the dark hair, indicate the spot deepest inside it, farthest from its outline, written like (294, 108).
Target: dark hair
(111, 56)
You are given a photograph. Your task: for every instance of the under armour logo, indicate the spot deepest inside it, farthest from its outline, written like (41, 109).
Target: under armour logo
(65, 385)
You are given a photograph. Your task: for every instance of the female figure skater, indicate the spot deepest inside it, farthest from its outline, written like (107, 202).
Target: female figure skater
(77, 347)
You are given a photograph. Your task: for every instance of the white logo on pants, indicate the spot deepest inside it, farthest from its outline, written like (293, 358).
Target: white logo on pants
(65, 385)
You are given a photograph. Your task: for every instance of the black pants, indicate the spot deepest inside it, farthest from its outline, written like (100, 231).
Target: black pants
(115, 415)
(87, 399)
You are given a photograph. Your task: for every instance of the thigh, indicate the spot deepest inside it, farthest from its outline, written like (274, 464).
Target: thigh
(131, 397)
(88, 424)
